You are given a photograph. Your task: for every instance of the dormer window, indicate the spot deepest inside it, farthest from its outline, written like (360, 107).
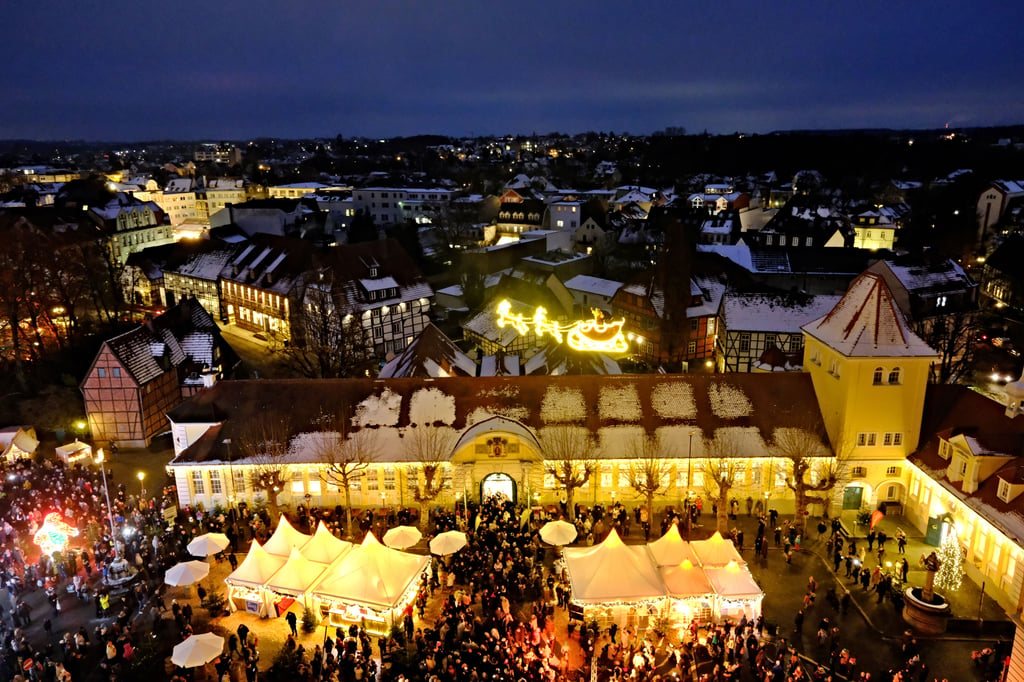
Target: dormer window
(945, 449)
(1004, 490)
(374, 271)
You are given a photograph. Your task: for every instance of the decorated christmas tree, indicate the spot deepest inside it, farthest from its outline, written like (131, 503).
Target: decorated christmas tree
(951, 570)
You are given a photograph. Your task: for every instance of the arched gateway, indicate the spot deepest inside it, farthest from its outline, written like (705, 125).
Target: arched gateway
(498, 456)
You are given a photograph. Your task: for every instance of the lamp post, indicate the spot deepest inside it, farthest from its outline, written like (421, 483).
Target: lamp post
(142, 486)
(689, 483)
(106, 492)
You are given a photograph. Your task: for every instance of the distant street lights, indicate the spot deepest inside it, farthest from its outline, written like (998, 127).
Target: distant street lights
(106, 492)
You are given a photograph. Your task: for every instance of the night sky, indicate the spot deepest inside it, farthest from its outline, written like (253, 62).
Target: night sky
(227, 69)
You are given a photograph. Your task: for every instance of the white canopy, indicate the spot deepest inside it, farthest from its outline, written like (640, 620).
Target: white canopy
(671, 550)
(324, 548)
(716, 551)
(612, 571)
(686, 580)
(297, 575)
(257, 568)
(371, 574)
(284, 539)
(733, 582)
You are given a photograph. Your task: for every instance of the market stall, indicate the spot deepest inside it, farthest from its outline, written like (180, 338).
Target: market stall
(736, 591)
(716, 551)
(690, 593)
(370, 585)
(615, 582)
(245, 584)
(292, 583)
(74, 453)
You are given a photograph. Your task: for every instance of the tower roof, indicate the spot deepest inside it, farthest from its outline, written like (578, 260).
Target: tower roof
(866, 323)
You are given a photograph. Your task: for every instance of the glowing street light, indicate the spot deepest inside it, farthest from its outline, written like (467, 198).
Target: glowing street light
(142, 475)
(106, 491)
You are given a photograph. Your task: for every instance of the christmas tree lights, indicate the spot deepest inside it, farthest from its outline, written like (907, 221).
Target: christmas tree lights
(952, 557)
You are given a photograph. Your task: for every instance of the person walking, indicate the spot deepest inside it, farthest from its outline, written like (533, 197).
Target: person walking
(292, 620)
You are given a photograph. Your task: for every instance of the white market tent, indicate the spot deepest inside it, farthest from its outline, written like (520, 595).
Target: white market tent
(686, 580)
(737, 592)
(671, 550)
(72, 453)
(612, 572)
(285, 539)
(324, 548)
(369, 584)
(716, 551)
(246, 582)
(296, 576)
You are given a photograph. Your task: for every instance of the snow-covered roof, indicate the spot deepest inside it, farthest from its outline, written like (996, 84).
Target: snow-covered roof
(867, 323)
(379, 284)
(774, 313)
(593, 285)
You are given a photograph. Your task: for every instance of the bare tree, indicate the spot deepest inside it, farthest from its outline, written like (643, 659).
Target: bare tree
(650, 466)
(265, 447)
(801, 447)
(569, 457)
(952, 337)
(720, 469)
(328, 341)
(431, 448)
(347, 455)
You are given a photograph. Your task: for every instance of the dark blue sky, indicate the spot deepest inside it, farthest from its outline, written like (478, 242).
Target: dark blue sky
(228, 69)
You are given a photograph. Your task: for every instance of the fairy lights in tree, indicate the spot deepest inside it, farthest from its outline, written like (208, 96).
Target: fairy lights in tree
(53, 535)
(951, 555)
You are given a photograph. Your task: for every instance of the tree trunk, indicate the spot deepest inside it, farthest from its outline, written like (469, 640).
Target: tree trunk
(348, 511)
(570, 507)
(800, 518)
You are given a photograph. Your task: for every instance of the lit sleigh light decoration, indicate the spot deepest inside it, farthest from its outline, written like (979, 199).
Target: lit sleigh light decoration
(53, 535)
(596, 335)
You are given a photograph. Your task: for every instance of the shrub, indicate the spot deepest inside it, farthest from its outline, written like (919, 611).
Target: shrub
(309, 621)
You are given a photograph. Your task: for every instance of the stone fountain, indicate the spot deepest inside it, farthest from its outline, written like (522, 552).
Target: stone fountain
(924, 610)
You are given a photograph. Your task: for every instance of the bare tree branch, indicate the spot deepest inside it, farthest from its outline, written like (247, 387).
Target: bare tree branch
(570, 458)
(265, 447)
(347, 455)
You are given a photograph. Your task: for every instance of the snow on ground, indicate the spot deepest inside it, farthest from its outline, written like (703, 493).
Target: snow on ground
(379, 410)
(674, 400)
(729, 402)
(621, 403)
(562, 405)
(429, 405)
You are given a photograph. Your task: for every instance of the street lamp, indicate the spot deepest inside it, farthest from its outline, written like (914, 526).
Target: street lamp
(106, 492)
(689, 482)
(142, 488)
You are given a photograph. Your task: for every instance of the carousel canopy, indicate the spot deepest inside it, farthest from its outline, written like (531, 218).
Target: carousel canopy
(257, 568)
(371, 574)
(686, 580)
(284, 539)
(670, 549)
(297, 575)
(612, 571)
(716, 551)
(324, 548)
(733, 582)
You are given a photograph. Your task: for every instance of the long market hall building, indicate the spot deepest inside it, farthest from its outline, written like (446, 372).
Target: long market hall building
(952, 459)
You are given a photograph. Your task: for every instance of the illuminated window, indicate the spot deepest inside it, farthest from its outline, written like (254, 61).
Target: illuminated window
(373, 480)
(215, 484)
(238, 480)
(549, 482)
(755, 475)
(297, 484)
(606, 475)
(389, 478)
(623, 476)
(915, 487)
(892, 471)
(198, 486)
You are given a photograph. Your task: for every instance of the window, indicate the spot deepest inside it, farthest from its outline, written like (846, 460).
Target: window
(940, 302)
(859, 472)
(623, 476)
(378, 332)
(606, 475)
(755, 475)
(549, 482)
(866, 439)
(877, 378)
(892, 471)
(915, 486)
(216, 488)
(1004, 490)
(101, 372)
(963, 467)
(693, 324)
(691, 348)
(744, 342)
(198, 486)
(117, 372)
(711, 326)
(897, 438)
(833, 368)
(890, 493)
(768, 240)
(796, 343)
(887, 439)
(389, 478)
(298, 486)
(894, 375)
(238, 482)
(809, 241)
(372, 480)
(945, 449)
(769, 340)
(740, 476)
(396, 327)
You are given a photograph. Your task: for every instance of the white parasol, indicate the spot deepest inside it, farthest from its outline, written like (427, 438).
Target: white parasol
(198, 650)
(186, 573)
(448, 542)
(208, 544)
(402, 537)
(558, 533)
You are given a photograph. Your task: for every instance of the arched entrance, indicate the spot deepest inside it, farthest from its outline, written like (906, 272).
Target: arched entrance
(498, 484)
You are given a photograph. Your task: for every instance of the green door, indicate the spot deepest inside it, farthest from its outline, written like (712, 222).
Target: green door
(852, 496)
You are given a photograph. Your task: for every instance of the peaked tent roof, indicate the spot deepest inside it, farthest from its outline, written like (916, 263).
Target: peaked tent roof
(686, 579)
(371, 574)
(257, 568)
(324, 548)
(716, 551)
(733, 581)
(284, 539)
(670, 549)
(612, 571)
(866, 323)
(297, 575)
